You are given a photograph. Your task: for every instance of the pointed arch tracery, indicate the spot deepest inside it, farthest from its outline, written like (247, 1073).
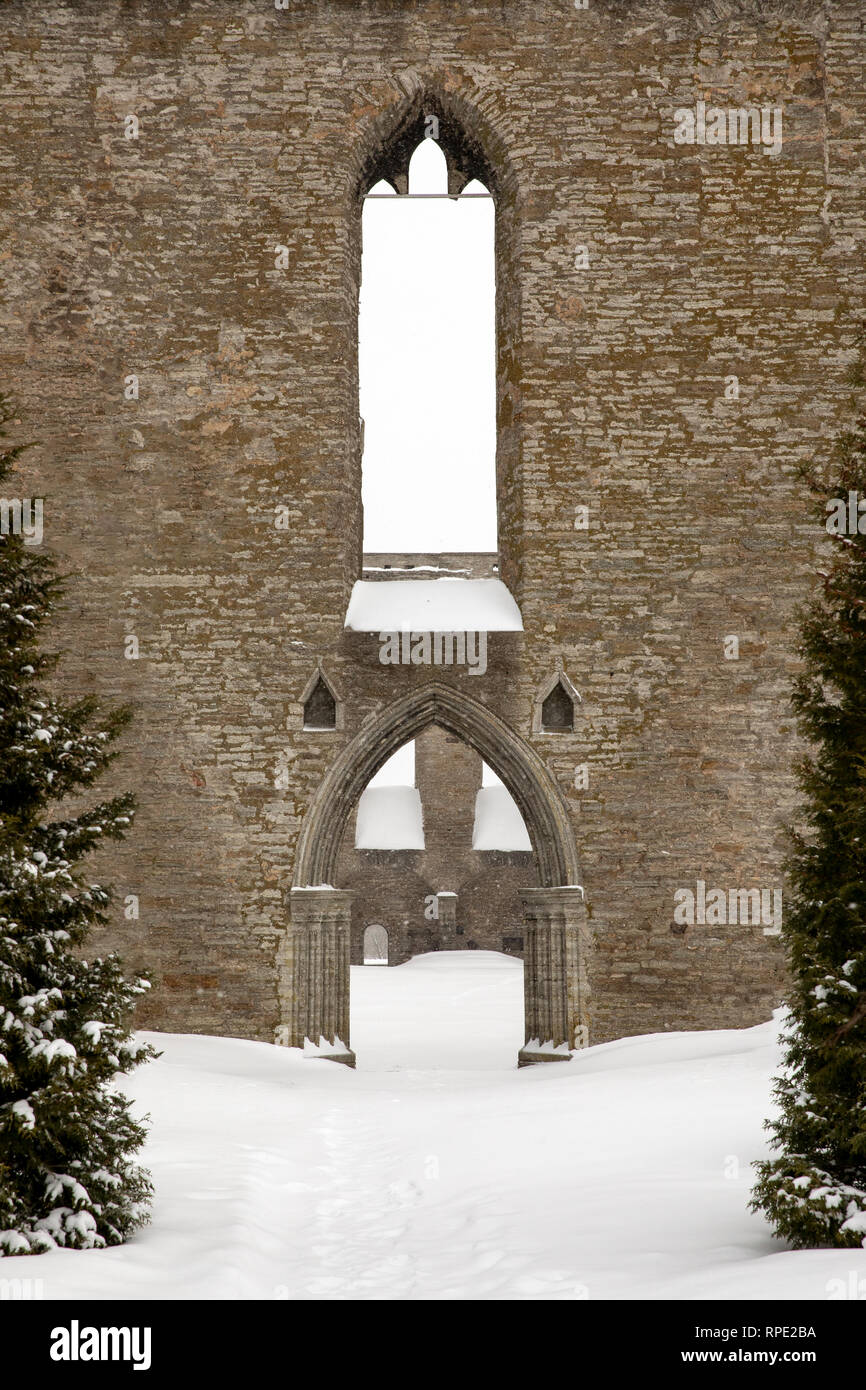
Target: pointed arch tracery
(526, 776)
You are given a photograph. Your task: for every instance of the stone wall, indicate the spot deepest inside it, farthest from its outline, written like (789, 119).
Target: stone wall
(217, 517)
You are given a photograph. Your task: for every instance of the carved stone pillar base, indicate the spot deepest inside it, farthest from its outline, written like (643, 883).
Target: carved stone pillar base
(347, 1057)
(314, 978)
(555, 980)
(528, 1056)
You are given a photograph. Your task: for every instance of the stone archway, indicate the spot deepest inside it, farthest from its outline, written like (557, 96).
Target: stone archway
(314, 974)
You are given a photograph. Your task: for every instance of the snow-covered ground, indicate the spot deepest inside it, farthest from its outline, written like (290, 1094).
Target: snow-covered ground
(437, 1170)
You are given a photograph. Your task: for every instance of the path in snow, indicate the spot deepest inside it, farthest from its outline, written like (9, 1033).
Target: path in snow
(437, 1170)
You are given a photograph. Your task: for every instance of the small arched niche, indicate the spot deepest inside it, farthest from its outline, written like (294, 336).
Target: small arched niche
(323, 710)
(555, 706)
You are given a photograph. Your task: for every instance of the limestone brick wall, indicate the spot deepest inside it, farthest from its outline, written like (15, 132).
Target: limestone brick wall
(216, 518)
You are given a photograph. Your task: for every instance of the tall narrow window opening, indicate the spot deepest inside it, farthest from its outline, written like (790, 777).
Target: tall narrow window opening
(427, 363)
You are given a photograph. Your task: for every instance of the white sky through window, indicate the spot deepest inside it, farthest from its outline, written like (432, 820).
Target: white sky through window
(427, 366)
(399, 770)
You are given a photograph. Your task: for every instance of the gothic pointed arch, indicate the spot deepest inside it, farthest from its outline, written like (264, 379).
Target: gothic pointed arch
(475, 137)
(526, 776)
(430, 110)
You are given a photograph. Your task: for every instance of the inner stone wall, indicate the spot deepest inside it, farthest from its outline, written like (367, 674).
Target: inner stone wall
(216, 518)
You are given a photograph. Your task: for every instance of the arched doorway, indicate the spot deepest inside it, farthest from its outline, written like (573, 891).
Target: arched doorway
(375, 945)
(314, 984)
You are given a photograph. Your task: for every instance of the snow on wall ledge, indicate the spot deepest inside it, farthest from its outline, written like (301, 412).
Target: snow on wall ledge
(432, 605)
(498, 822)
(389, 818)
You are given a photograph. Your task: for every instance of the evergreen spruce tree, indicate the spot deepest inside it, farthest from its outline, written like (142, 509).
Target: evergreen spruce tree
(67, 1176)
(814, 1190)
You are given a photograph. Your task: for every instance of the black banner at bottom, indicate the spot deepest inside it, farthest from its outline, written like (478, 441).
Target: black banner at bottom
(50, 1342)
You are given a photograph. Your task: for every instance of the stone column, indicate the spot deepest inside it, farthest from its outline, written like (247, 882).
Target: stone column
(446, 904)
(556, 974)
(314, 978)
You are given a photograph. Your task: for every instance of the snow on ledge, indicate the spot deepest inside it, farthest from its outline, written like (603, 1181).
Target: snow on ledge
(547, 1049)
(322, 1048)
(432, 605)
(414, 569)
(389, 818)
(498, 822)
